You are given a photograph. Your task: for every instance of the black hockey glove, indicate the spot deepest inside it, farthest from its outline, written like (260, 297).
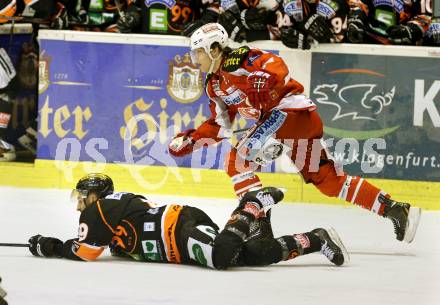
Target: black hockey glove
(207, 17)
(254, 19)
(356, 26)
(232, 24)
(317, 27)
(131, 20)
(433, 34)
(45, 246)
(408, 34)
(293, 38)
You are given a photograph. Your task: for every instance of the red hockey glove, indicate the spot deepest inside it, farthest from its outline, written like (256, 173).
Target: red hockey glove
(182, 144)
(259, 85)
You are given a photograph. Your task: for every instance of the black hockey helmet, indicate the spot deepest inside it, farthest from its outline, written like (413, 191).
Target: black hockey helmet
(101, 184)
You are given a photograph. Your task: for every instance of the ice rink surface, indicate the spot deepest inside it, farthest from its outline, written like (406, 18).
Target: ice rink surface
(381, 271)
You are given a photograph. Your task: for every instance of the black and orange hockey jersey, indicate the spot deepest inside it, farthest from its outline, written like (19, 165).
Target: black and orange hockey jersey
(127, 221)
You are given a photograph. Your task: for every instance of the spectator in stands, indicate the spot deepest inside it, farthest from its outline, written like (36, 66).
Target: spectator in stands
(182, 18)
(395, 22)
(296, 23)
(7, 74)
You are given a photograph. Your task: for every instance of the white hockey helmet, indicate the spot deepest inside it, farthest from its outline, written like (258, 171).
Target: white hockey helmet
(206, 35)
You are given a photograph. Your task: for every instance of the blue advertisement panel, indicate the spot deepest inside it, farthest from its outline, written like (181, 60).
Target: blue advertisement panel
(121, 103)
(381, 113)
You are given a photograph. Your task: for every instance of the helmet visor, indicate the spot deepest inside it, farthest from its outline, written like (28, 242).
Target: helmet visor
(76, 195)
(194, 56)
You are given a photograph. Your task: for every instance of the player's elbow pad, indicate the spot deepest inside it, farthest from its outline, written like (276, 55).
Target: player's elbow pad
(67, 249)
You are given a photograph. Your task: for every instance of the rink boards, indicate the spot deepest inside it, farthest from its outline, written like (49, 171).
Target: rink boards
(194, 182)
(111, 102)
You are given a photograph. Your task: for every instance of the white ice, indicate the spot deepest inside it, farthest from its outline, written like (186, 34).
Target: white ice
(381, 271)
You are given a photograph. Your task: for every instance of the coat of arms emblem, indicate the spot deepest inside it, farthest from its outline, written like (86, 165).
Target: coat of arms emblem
(43, 71)
(184, 80)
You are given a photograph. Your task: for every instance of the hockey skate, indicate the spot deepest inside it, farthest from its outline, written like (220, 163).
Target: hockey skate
(264, 197)
(404, 217)
(332, 246)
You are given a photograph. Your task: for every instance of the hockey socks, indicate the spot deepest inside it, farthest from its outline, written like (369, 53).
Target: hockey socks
(299, 244)
(360, 192)
(318, 240)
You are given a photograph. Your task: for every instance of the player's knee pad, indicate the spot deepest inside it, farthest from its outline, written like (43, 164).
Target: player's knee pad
(228, 243)
(227, 246)
(262, 252)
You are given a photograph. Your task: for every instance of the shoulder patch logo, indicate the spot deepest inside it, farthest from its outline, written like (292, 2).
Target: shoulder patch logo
(235, 59)
(115, 196)
(252, 58)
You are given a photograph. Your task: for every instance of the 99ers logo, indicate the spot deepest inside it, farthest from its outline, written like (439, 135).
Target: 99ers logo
(181, 15)
(82, 231)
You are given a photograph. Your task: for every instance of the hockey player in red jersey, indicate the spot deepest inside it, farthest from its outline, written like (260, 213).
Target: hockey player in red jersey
(257, 84)
(136, 228)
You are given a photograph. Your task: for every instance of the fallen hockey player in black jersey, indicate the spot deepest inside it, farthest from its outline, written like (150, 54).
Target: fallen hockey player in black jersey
(133, 227)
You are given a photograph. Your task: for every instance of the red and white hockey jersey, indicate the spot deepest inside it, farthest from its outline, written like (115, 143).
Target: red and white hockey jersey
(226, 90)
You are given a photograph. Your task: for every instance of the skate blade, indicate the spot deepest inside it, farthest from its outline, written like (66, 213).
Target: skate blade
(337, 240)
(412, 224)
